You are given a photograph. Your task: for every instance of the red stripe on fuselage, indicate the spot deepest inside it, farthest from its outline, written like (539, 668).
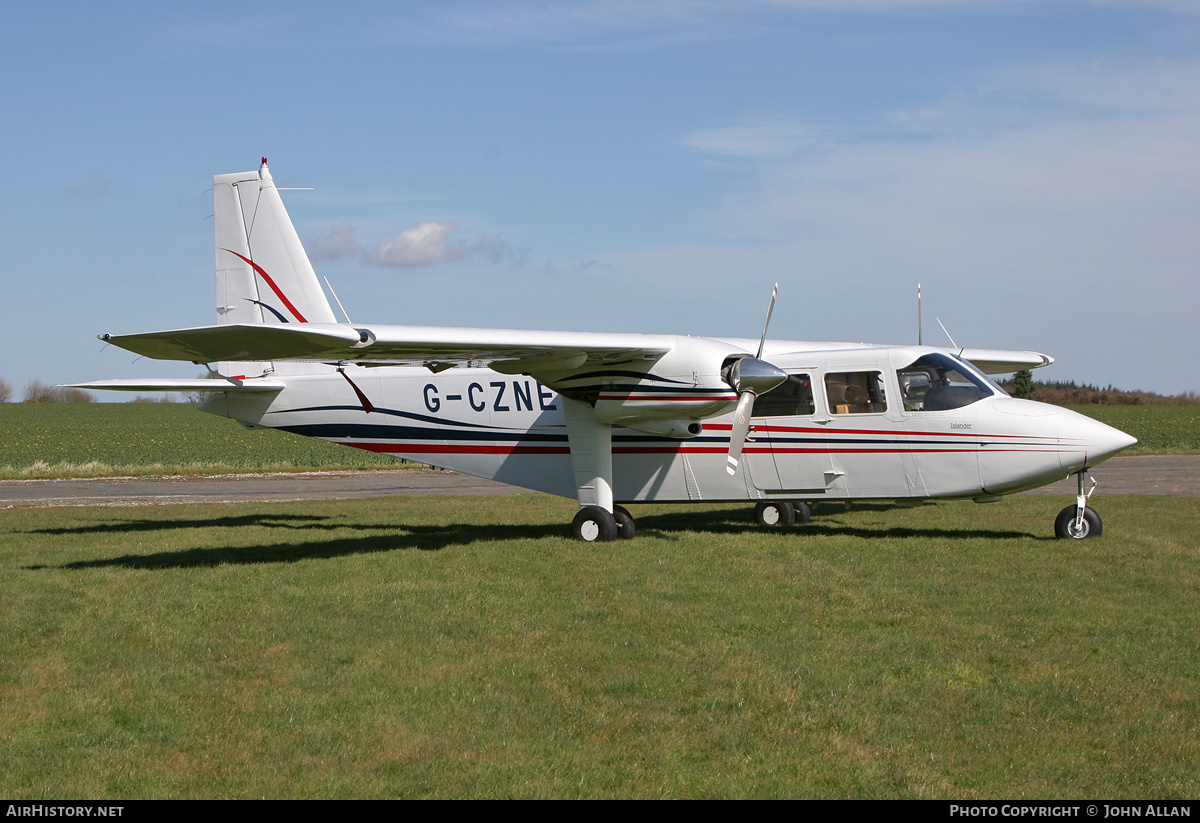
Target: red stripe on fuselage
(440, 448)
(770, 427)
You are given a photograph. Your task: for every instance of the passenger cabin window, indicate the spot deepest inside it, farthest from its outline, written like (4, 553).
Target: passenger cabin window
(791, 398)
(858, 392)
(938, 382)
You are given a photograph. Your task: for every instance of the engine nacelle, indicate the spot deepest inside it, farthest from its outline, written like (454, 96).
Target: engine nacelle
(681, 429)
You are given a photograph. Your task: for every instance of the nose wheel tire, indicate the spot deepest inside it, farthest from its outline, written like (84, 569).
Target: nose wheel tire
(1065, 525)
(595, 525)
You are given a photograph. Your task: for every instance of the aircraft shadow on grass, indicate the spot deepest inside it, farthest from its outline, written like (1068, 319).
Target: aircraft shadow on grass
(400, 537)
(282, 521)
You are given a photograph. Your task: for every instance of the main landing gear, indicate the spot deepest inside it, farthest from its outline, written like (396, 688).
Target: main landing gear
(1078, 522)
(782, 513)
(594, 524)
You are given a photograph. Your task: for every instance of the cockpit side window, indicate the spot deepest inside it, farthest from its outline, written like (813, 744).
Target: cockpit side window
(859, 392)
(791, 398)
(938, 382)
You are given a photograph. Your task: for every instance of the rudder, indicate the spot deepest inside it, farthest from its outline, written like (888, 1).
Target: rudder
(263, 273)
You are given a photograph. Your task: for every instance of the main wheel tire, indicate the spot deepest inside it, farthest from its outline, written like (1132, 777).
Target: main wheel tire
(772, 513)
(625, 525)
(803, 512)
(594, 525)
(1064, 524)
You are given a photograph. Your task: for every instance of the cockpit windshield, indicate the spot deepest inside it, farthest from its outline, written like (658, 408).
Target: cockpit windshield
(938, 382)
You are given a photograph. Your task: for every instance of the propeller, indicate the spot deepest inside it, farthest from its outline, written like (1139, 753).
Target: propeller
(750, 377)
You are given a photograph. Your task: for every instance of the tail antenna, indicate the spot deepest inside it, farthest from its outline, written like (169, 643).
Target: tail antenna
(920, 325)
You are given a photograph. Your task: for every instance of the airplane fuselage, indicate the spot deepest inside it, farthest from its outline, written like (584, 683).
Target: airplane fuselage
(851, 423)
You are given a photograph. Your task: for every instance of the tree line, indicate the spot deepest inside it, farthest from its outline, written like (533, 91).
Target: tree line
(38, 392)
(1070, 393)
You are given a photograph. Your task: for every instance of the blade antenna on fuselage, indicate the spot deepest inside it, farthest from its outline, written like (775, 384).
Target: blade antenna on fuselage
(952, 343)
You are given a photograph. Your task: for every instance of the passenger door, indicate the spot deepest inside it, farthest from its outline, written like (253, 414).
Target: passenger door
(783, 428)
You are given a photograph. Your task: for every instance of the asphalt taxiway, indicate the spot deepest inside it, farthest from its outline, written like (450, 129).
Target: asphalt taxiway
(1170, 475)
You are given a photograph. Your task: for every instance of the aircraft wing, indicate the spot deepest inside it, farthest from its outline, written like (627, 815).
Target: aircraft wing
(507, 350)
(996, 361)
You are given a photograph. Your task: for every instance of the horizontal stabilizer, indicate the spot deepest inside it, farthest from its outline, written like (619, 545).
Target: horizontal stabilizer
(997, 361)
(240, 342)
(197, 384)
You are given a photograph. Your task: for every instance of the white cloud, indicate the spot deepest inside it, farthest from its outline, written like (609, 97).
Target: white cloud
(339, 244)
(429, 243)
(497, 250)
(576, 24)
(607, 24)
(99, 188)
(753, 140)
(422, 246)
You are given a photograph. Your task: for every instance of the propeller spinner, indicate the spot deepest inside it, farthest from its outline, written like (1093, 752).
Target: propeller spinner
(750, 377)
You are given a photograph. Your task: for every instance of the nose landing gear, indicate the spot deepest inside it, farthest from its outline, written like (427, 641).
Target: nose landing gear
(1078, 522)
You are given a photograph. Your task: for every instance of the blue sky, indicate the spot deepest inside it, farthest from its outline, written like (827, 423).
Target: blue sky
(621, 166)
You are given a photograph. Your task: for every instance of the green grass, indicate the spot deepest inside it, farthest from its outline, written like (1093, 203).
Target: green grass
(103, 439)
(418, 647)
(1159, 429)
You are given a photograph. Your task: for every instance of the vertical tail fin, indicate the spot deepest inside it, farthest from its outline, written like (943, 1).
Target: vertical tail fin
(263, 273)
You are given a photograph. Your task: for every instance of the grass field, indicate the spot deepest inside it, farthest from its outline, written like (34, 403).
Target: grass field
(102, 439)
(417, 647)
(1159, 429)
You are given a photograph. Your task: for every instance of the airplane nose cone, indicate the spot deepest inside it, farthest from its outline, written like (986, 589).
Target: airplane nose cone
(1086, 442)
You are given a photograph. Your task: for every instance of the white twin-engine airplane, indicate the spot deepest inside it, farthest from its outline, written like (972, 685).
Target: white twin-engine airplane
(608, 418)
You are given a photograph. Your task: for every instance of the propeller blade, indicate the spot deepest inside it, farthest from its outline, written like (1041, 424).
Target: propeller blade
(741, 428)
(750, 377)
(770, 308)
